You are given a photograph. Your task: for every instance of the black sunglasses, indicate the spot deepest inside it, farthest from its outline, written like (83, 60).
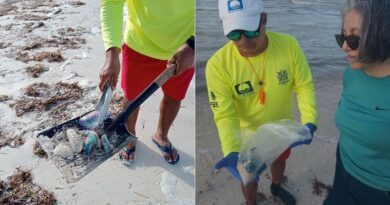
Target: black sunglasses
(352, 41)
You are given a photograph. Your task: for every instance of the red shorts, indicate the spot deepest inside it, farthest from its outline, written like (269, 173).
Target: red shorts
(138, 71)
(284, 156)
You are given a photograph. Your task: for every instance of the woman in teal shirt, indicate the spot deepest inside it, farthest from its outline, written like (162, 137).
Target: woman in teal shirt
(363, 116)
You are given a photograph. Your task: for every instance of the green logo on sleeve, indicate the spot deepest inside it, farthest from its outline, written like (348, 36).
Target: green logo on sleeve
(212, 95)
(213, 102)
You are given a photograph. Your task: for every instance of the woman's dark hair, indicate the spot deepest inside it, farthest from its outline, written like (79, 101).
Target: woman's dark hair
(374, 45)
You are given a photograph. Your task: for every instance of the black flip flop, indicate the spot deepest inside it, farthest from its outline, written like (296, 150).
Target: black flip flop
(168, 150)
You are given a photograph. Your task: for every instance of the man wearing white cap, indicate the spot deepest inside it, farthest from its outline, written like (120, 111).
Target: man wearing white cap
(251, 81)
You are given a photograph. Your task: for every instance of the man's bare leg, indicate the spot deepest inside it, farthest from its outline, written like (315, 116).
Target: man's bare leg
(169, 108)
(277, 171)
(130, 126)
(249, 192)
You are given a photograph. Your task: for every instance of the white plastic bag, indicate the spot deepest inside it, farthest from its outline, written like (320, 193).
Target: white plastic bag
(266, 144)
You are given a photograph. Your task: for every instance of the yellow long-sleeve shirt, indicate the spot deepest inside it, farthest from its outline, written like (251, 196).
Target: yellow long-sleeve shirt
(233, 88)
(154, 28)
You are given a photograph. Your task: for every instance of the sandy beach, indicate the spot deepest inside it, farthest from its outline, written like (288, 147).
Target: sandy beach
(310, 169)
(51, 53)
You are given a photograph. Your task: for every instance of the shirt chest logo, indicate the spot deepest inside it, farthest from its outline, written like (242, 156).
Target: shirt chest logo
(282, 76)
(244, 89)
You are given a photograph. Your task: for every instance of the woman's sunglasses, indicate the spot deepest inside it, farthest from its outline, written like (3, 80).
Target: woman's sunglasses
(352, 41)
(236, 34)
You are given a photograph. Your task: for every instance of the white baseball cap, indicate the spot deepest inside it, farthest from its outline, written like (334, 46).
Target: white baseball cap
(240, 14)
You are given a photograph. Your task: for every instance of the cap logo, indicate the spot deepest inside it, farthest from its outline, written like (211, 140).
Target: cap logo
(235, 5)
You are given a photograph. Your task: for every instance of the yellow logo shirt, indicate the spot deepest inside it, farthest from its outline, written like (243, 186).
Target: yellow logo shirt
(235, 87)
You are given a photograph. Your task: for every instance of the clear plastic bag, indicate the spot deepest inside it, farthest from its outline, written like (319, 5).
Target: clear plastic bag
(262, 148)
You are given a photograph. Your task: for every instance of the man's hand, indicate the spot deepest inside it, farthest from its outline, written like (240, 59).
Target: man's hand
(111, 68)
(312, 128)
(183, 58)
(230, 163)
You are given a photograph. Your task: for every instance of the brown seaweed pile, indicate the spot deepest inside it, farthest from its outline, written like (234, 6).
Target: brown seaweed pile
(20, 189)
(44, 97)
(6, 8)
(319, 187)
(37, 89)
(9, 26)
(31, 17)
(33, 25)
(32, 5)
(4, 98)
(67, 38)
(4, 45)
(34, 45)
(49, 56)
(60, 112)
(20, 8)
(39, 151)
(5, 140)
(59, 41)
(76, 3)
(69, 31)
(116, 104)
(36, 70)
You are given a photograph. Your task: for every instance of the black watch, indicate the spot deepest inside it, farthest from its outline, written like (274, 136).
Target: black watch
(191, 42)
